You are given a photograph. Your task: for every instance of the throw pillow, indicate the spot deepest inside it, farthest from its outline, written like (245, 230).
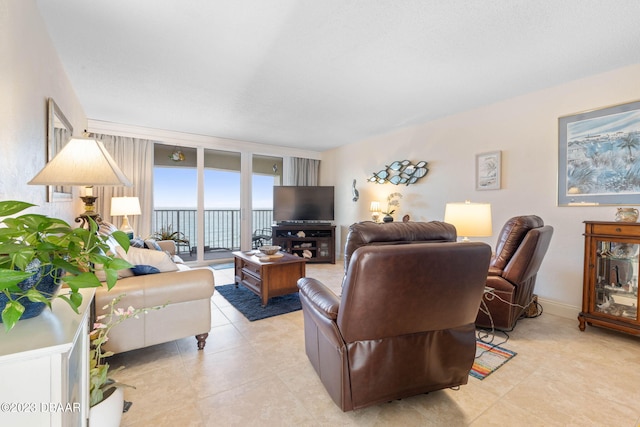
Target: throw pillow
(152, 244)
(106, 228)
(141, 270)
(137, 243)
(157, 259)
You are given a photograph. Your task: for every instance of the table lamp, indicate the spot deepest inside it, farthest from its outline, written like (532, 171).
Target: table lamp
(470, 219)
(375, 211)
(125, 206)
(84, 162)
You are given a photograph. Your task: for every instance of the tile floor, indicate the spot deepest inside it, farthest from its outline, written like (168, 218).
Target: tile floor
(257, 374)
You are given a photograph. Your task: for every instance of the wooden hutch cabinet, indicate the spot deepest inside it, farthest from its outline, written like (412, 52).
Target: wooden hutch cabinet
(610, 289)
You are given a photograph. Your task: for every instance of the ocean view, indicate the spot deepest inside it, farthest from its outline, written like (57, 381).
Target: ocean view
(221, 226)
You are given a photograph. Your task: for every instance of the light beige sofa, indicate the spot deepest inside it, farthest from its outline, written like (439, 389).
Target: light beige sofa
(186, 292)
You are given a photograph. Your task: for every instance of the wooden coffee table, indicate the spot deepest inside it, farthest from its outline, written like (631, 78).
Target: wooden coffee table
(271, 277)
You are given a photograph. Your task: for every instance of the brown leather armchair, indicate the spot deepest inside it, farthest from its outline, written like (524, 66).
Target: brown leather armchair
(404, 324)
(395, 233)
(521, 246)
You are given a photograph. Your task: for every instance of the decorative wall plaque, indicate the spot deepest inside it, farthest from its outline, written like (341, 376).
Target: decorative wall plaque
(400, 172)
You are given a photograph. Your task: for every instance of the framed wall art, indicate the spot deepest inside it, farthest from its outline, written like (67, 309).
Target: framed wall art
(599, 157)
(488, 170)
(59, 130)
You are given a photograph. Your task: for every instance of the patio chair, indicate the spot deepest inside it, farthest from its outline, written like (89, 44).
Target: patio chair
(261, 237)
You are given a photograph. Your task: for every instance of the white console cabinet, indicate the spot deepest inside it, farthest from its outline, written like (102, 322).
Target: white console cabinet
(44, 368)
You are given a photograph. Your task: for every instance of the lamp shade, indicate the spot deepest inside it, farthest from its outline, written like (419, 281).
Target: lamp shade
(82, 161)
(375, 207)
(125, 206)
(470, 219)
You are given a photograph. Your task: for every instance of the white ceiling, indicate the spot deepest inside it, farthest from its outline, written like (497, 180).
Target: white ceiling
(319, 74)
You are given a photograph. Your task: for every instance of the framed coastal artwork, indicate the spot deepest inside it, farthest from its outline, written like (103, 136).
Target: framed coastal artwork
(488, 169)
(599, 157)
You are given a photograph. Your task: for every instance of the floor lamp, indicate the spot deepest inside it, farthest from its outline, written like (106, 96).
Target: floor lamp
(83, 162)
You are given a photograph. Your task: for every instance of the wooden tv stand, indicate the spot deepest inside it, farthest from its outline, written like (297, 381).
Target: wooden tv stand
(319, 241)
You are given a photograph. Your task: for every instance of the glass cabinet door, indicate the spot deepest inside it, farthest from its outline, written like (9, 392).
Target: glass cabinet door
(616, 283)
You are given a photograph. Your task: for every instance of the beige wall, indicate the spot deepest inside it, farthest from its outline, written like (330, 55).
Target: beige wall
(30, 72)
(525, 129)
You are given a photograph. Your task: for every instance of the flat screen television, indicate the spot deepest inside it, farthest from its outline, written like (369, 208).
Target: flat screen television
(303, 204)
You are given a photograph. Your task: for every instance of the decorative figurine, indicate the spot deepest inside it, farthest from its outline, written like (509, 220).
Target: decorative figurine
(627, 215)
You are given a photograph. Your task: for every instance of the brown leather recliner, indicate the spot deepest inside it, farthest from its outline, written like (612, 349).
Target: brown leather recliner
(403, 326)
(521, 246)
(395, 233)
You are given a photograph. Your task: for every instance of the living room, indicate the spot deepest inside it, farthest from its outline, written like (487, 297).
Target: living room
(524, 128)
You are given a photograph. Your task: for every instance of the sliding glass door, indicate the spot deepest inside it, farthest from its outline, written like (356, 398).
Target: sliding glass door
(175, 195)
(266, 172)
(219, 201)
(222, 202)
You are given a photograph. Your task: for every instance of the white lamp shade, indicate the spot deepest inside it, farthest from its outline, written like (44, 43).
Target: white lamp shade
(82, 161)
(375, 207)
(125, 206)
(470, 219)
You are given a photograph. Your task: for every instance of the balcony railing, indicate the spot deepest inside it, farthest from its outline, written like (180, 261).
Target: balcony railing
(221, 226)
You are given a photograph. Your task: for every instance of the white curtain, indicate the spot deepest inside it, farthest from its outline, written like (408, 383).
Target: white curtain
(134, 156)
(300, 171)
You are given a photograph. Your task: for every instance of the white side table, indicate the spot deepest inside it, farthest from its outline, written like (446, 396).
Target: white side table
(44, 366)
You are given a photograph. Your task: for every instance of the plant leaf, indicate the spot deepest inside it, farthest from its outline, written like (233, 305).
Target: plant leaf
(23, 258)
(83, 280)
(122, 239)
(10, 277)
(11, 314)
(76, 298)
(36, 296)
(99, 259)
(65, 265)
(111, 277)
(10, 207)
(71, 303)
(118, 264)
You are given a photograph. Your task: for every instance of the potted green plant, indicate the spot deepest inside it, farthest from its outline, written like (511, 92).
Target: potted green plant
(168, 234)
(35, 249)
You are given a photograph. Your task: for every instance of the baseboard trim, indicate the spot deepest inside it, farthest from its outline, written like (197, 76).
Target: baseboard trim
(558, 308)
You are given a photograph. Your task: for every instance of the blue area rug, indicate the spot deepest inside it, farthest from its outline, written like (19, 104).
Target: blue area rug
(249, 304)
(222, 266)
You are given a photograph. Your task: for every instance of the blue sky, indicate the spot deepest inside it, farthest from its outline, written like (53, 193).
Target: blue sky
(177, 188)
